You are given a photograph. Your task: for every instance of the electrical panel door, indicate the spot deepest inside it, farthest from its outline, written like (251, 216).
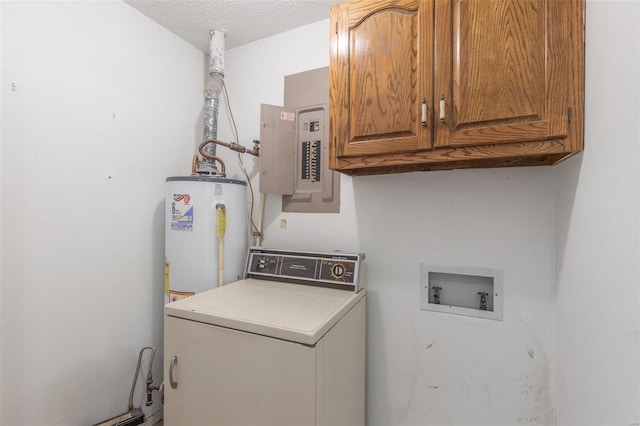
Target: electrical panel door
(294, 158)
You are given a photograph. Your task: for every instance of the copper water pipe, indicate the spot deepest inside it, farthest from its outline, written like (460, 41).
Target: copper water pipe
(223, 169)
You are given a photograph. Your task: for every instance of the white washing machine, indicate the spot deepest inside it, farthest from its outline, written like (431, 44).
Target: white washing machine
(284, 346)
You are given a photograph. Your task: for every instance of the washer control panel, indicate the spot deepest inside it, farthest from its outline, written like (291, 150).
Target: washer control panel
(335, 270)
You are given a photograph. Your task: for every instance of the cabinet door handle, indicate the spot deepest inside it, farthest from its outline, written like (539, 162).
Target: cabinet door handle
(424, 112)
(442, 110)
(174, 361)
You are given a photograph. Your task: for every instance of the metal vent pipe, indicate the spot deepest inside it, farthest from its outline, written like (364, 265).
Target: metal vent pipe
(212, 92)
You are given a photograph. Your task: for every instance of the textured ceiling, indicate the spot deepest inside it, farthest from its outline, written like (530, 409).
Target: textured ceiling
(243, 20)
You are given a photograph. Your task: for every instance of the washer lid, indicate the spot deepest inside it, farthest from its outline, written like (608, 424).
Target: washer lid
(294, 312)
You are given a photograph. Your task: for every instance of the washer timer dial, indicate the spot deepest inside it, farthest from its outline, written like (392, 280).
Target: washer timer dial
(337, 271)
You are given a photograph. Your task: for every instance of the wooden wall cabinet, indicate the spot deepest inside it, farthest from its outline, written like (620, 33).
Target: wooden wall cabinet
(446, 84)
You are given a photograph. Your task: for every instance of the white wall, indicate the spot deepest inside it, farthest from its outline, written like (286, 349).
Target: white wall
(598, 318)
(426, 368)
(108, 104)
(101, 89)
(1, 202)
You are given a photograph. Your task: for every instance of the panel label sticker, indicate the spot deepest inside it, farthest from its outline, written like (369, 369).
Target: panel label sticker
(181, 213)
(289, 116)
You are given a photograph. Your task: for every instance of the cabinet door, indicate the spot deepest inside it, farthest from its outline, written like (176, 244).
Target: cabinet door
(501, 71)
(230, 378)
(380, 61)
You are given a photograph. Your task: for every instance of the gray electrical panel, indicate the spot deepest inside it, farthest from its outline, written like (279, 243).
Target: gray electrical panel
(277, 155)
(294, 147)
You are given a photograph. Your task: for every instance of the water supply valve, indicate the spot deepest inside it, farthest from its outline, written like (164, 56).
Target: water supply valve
(436, 294)
(483, 300)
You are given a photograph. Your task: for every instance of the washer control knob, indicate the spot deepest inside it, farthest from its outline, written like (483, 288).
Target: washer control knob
(337, 271)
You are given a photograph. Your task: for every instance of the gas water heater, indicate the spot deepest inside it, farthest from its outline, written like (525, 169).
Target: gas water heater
(205, 234)
(206, 213)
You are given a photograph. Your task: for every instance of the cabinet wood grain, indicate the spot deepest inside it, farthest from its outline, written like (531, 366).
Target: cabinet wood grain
(441, 84)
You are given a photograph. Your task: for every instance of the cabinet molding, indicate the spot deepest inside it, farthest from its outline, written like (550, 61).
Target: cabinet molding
(444, 84)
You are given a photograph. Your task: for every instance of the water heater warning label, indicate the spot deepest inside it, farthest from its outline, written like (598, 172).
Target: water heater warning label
(177, 295)
(181, 213)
